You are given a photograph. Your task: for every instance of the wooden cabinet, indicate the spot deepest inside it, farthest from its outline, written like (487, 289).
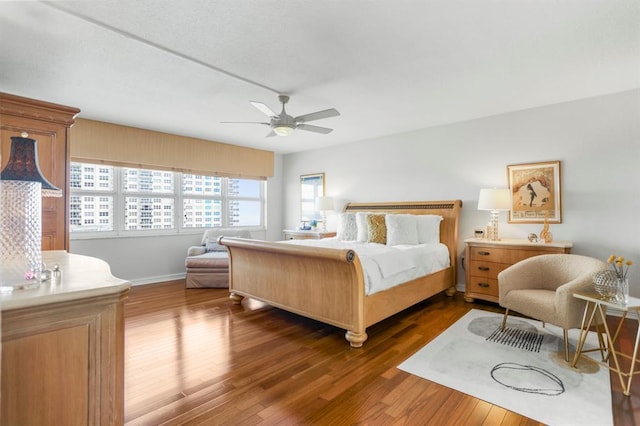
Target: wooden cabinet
(48, 124)
(290, 234)
(486, 259)
(63, 348)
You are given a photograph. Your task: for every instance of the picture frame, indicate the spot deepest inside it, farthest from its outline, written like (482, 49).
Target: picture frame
(311, 187)
(536, 192)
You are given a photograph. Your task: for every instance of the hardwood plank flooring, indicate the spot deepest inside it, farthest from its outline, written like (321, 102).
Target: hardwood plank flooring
(194, 358)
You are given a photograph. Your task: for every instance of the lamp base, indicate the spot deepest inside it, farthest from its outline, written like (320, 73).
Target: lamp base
(20, 231)
(492, 229)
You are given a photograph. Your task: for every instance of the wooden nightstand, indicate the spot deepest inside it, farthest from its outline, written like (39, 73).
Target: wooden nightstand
(486, 259)
(292, 234)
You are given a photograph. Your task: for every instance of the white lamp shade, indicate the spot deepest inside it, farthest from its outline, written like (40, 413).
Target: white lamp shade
(324, 204)
(494, 199)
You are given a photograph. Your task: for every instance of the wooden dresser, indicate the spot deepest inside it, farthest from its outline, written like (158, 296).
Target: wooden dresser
(485, 259)
(63, 347)
(290, 234)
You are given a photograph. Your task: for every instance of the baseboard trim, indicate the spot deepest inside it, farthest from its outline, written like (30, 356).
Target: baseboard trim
(158, 279)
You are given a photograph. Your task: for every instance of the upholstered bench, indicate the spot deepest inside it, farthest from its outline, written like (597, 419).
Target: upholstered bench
(208, 264)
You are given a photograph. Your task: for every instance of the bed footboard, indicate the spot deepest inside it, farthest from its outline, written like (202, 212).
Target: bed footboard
(319, 283)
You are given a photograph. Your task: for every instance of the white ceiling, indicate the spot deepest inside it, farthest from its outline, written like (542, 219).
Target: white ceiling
(388, 66)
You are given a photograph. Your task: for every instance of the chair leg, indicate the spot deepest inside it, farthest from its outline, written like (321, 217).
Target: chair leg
(504, 319)
(565, 332)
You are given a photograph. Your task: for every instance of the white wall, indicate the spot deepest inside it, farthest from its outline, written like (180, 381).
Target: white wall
(597, 140)
(144, 260)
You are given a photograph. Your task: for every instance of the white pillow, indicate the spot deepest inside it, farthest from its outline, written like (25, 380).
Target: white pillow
(347, 228)
(401, 229)
(429, 228)
(363, 226)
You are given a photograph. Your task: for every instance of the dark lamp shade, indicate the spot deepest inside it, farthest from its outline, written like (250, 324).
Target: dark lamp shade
(23, 166)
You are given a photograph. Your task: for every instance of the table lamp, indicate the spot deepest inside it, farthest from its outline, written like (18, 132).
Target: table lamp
(23, 186)
(495, 200)
(324, 204)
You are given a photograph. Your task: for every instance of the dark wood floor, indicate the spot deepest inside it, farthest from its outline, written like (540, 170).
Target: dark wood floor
(193, 358)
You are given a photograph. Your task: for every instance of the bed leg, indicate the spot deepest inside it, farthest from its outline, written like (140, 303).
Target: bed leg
(236, 298)
(450, 291)
(355, 339)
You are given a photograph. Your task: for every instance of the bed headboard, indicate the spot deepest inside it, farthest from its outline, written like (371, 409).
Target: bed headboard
(449, 210)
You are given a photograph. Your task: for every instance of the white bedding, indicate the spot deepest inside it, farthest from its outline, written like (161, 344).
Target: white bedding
(386, 266)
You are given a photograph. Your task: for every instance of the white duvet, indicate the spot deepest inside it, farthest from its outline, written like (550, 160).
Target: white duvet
(386, 266)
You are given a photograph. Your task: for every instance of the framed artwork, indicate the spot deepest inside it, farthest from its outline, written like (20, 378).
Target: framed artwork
(311, 187)
(536, 192)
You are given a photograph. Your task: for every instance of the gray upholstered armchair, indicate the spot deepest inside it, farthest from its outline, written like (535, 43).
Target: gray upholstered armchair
(208, 264)
(542, 287)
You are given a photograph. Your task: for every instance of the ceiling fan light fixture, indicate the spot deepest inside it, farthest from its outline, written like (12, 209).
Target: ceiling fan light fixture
(283, 130)
(283, 124)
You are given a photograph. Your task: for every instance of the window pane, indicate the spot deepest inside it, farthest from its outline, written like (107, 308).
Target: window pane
(147, 200)
(201, 185)
(90, 213)
(148, 213)
(246, 188)
(149, 181)
(201, 213)
(244, 213)
(90, 177)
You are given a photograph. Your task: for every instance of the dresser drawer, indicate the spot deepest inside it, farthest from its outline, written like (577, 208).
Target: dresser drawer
(484, 269)
(503, 255)
(480, 285)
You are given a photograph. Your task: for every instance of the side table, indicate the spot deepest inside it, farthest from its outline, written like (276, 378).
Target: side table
(296, 234)
(598, 306)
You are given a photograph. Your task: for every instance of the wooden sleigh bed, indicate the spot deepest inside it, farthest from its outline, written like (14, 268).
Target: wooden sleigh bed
(327, 284)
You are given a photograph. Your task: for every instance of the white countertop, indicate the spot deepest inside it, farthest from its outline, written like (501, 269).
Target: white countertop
(82, 277)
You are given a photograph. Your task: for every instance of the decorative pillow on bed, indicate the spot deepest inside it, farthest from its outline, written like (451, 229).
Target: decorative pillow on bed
(377, 229)
(428, 228)
(347, 227)
(401, 229)
(363, 227)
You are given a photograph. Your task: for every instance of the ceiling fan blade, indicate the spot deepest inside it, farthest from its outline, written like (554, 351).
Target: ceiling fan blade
(316, 129)
(245, 122)
(331, 112)
(271, 133)
(263, 108)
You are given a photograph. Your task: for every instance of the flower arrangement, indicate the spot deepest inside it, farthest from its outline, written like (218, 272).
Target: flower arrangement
(314, 223)
(619, 265)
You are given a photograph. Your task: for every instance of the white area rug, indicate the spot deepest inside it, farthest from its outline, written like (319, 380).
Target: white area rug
(523, 372)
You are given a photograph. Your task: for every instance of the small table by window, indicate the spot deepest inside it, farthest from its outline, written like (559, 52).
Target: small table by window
(291, 234)
(597, 306)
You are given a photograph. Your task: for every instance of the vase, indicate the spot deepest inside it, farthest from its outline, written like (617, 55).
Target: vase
(606, 284)
(623, 290)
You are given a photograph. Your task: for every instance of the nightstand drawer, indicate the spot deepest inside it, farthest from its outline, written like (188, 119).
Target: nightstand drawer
(480, 285)
(484, 269)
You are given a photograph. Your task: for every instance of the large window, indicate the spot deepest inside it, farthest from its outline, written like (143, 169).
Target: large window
(108, 200)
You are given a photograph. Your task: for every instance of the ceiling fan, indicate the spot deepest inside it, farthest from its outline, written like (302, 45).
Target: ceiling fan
(283, 124)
